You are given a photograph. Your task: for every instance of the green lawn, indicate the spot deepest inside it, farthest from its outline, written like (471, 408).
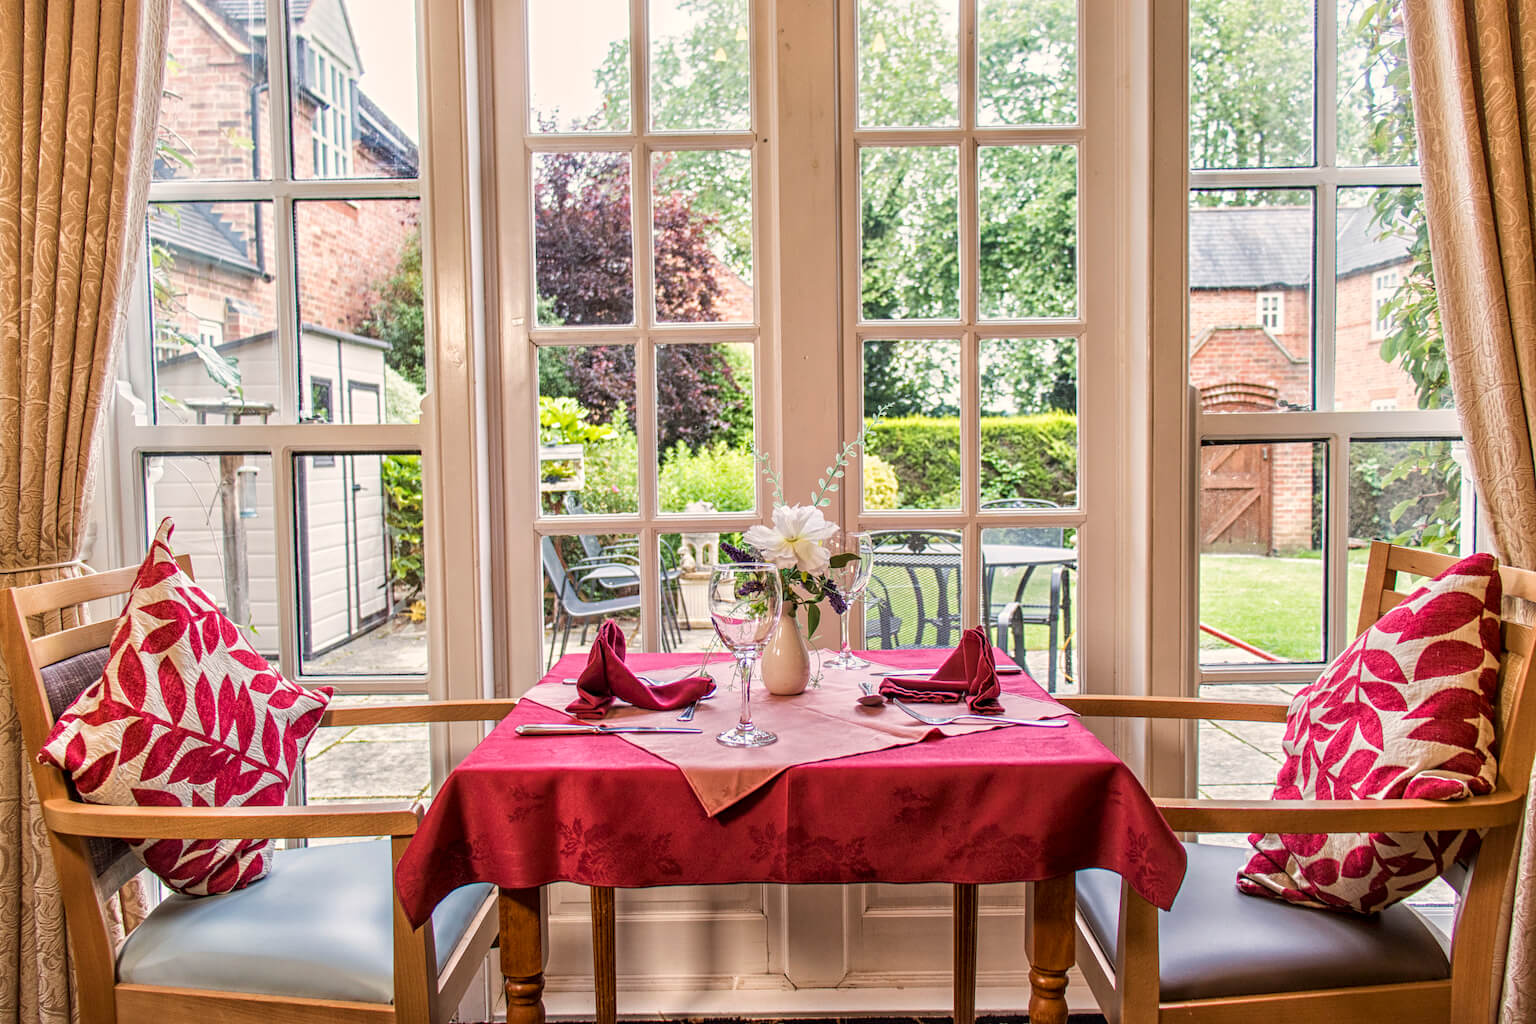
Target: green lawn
(1275, 604)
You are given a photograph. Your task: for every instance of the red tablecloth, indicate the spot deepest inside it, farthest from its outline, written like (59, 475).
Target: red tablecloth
(1008, 805)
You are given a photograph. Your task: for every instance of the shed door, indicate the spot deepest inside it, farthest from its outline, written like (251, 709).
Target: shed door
(370, 556)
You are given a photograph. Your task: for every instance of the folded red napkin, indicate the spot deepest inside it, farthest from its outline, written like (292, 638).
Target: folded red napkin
(606, 677)
(970, 672)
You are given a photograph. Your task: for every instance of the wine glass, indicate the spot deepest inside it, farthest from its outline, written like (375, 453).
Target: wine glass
(744, 603)
(851, 578)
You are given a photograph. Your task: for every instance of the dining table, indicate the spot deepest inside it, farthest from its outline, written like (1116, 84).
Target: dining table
(1002, 804)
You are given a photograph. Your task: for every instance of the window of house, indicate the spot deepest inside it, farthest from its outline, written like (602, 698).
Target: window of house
(1383, 291)
(1272, 311)
(331, 128)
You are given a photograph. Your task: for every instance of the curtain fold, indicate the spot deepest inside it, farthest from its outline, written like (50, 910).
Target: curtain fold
(1473, 64)
(81, 81)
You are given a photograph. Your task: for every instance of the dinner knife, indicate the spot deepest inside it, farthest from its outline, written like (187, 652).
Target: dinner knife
(591, 728)
(924, 673)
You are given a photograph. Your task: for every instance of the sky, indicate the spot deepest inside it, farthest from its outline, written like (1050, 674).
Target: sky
(383, 31)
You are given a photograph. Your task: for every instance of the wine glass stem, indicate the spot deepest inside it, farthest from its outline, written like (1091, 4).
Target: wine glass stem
(842, 619)
(746, 690)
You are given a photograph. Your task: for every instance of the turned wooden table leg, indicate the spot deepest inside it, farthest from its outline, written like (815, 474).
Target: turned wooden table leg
(965, 953)
(522, 955)
(1050, 942)
(604, 960)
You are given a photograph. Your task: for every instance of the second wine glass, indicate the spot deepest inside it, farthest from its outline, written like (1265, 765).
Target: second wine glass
(744, 603)
(851, 578)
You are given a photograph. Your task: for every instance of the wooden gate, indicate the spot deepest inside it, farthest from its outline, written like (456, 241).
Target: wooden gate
(1237, 480)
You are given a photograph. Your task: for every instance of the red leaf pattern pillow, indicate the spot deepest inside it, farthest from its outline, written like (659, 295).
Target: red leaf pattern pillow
(1405, 712)
(186, 714)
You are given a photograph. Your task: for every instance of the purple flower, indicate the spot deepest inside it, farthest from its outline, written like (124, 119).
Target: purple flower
(735, 553)
(835, 597)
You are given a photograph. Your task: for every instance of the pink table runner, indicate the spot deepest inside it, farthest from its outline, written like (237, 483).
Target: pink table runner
(1001, 805)
(823, 723)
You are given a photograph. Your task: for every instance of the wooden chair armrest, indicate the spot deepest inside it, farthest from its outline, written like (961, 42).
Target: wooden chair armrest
(1128, 706)
(376, 818)
(422, 711)
(1501, 807)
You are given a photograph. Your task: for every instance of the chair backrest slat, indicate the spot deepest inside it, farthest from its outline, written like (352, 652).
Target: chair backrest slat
(67, 643)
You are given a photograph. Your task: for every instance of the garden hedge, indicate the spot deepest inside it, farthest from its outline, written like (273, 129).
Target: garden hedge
(1021, 456)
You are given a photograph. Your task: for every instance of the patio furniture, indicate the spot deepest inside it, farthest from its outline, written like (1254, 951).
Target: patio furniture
(269, 951)
(573, 605)
(1056, 613)
(1222, 956)
(877, 599)
(930, 560)
(674, 608)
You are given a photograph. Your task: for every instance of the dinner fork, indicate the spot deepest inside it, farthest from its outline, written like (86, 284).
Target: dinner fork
(1048, 723)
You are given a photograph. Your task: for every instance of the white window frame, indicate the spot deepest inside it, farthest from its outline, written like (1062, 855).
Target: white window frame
(1384, 284)
(1270, 310)
(330, 127)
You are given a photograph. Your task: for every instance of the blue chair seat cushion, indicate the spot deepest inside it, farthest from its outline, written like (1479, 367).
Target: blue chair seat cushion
(1218, 942)
(319, 926)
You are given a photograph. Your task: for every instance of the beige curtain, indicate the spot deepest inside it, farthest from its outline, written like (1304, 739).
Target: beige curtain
(80, 88)
(1473, 64)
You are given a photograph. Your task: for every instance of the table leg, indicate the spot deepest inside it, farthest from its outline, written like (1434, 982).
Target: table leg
(965, 953)
(1050, 942)
(522, 955)
(604, 959)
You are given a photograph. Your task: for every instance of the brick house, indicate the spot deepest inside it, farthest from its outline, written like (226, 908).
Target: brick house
(216, 287)
(1250, 321)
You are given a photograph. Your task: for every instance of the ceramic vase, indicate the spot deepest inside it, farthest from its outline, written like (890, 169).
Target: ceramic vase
(787, 659)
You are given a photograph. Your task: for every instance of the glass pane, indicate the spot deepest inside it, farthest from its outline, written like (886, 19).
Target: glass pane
(701, 66)
(222, 505)
(912, 418)
(214, 87)
(909, 63)
(1027, 201)
(914, 591)
(1375, 104)
(702, 212)
(1251, 83)
(1406, 492)
(1261, 566)
(1028, 422)
(1250, 299)
(354, 86)
(685, 563)
(371, 762)
(1026, 62)
(1389, 346)
(578, 65)
(214, 308)
(1029, 576)
(588, 578)
(362, 608)
(588, 457)
(910, 233)
(360, 308)
(583, 240)
(704, 428)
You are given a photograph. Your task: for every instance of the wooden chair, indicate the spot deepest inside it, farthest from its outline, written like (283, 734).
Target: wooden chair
(1220, 956)
(317, 902)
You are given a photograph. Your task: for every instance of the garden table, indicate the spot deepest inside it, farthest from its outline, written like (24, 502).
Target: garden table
(1012, 804)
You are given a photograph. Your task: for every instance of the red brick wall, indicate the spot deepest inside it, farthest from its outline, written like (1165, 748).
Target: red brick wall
(1363, 377)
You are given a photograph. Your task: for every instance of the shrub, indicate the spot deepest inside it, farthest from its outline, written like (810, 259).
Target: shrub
(880, 489)
(1022, 456)
(612, 472)
(717, 473)
(402, 516)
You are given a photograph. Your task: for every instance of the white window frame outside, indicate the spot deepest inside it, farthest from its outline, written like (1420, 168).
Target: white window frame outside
(1271, 311)
(330, 127)
(1383, 287)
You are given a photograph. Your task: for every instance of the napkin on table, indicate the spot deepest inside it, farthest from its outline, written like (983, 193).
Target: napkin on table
(606, 677)
(969, 673)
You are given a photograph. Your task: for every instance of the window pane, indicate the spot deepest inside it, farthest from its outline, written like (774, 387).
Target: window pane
(1406, 492)
(222, 506)
(1261, 566)
(1029, 578)
(914, 591)
(371, 762)
(578, 65)
(588, 578)
(702, 212)
(1389, 346)
(1028, 422)
(214, 83)
(354, 87)
(704, 428)
(588, 461)
(701, 66)
(912, 415)
(1027, 201)
(214, 307)
(1250, 83)
(909, 63)
(1250, 299)
(361, 599)
(583, 240)
(910, 237)
(1026, 62)
(1375, 106)
(360, 308)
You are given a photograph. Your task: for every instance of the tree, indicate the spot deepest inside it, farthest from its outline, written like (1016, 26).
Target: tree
(396, 315)
(1250, 83)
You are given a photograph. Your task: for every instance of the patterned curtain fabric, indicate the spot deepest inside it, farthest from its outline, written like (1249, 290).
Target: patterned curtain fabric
(1473, 64)
(81, 83)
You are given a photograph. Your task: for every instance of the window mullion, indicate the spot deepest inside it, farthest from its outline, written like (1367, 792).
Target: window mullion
(1336, 558)
(1326, 90)
(1324, 295)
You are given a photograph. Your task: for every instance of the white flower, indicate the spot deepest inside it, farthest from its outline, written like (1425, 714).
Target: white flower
(795, 540)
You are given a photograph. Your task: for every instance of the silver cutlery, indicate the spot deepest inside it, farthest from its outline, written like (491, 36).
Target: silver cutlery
(591, 728)
(688, 712)
(1047, 723)
(870, 698)
(924, 673)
